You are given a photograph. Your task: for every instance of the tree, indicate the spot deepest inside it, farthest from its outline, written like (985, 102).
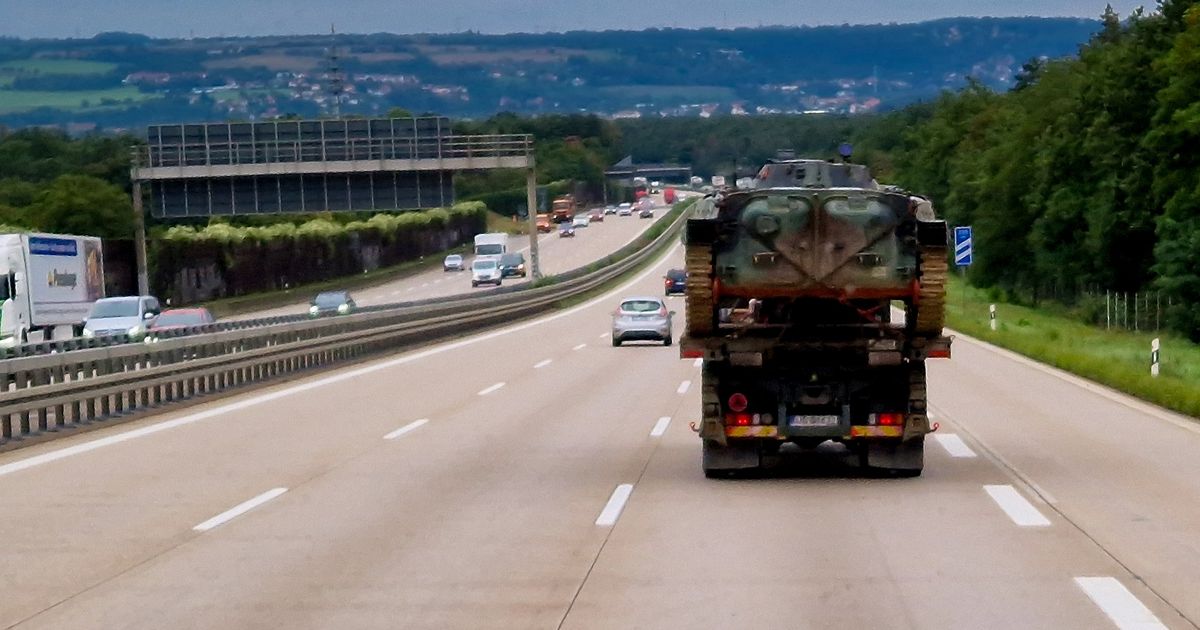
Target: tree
(84, 205)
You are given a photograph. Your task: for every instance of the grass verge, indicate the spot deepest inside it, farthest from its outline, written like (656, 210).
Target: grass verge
(1118, 359)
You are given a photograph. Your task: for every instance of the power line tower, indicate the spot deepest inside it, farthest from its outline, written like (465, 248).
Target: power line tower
(335, 80)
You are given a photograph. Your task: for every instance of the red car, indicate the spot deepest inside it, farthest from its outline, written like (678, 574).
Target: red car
(596, 216)
(175, 318)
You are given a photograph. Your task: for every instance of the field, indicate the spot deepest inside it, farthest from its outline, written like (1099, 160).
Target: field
(18, 101)
(55, 66)
(1120, 360)
(276, 62)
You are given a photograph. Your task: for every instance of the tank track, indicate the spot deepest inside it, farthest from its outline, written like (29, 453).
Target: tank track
(698, 260)
(918, 402)
(930, 316)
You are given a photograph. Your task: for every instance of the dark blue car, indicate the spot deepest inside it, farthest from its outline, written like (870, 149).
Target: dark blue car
(675, 282)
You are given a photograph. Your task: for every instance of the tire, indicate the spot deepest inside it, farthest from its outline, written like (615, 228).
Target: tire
(667, 341)
(474, 284)
(616, 342)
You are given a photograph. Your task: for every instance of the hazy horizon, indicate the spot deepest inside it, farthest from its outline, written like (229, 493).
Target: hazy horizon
(217, 18)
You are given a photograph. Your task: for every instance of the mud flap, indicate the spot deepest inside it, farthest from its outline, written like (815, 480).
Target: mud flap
(737, 455)
(905, 459)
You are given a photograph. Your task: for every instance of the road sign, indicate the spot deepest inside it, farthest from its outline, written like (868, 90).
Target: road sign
(964, 250)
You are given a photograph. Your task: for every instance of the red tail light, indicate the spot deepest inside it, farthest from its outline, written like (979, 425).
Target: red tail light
(692, 354)
(738, 420)
(891, 419)
(662, 312)
(738, 403)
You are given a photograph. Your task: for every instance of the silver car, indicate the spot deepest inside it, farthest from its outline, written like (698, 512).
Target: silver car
(453, 262)
(642, 319)
(130, 315)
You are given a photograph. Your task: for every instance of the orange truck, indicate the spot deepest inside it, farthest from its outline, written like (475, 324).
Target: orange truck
(563, 209)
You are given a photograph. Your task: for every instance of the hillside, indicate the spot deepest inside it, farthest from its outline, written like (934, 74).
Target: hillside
(126, 80)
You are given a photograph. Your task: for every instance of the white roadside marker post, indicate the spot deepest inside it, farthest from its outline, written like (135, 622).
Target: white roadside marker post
(992, 316)
(1154, 348)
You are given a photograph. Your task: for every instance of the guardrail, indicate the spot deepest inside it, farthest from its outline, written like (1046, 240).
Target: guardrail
(41, 396)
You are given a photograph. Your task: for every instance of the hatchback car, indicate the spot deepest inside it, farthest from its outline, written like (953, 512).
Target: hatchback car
(610, 209)
(486, 271)
(596, 215)
(642, 319)
(454, 262)
(565, 230)
(625, 209)
(646, 213)
(512, 264)
(121, 316)
(580, 221)
(675, 282)
(175, 318)
(331, 303)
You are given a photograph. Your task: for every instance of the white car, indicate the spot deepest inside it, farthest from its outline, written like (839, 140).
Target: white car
(580, 221)
(610, 209)
(453, 262)
(625, 209)
(486, 271)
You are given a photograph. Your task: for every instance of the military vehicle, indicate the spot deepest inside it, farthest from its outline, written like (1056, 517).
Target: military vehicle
(790, 294)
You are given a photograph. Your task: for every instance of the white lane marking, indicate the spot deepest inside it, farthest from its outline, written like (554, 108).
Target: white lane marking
(397, 292)
(239, 509)
(542, 364)
(612, 510)
(425, 286)
(415, 424)
(1123, 607)
(603, 335)
(954, 445)
(698, 363)
(580, 346)
(660, 427)
(411, 289)
(493, 388)
(166, 425)
(1017, 507)
(683, 387)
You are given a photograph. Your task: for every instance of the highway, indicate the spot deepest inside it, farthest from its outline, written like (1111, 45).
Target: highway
(556, 255)
(536, 477)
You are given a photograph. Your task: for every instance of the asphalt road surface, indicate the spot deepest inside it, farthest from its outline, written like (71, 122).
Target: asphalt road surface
(536, 477)
(556, 255)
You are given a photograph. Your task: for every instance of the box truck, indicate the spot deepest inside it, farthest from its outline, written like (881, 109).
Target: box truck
(48, 283)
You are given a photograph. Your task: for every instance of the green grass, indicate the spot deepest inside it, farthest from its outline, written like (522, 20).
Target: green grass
(1118, 359)
(56, 66)
(13, 101)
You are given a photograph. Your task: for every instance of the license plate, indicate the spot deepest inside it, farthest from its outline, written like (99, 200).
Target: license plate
(815, 421)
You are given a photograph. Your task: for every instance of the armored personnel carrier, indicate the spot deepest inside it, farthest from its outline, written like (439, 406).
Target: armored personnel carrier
(814, 299)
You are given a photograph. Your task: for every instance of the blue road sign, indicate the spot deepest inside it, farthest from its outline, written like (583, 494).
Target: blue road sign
(964, 250)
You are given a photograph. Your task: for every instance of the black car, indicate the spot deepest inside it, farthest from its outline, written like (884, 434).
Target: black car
(675, 282)
(512, 264)
(331, 303)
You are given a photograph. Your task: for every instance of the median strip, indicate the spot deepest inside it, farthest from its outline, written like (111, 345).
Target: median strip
(239, 509)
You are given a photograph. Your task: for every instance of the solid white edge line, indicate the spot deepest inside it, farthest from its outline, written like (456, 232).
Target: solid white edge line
(1124, 608)
(542, 364)
(493, 388)
(415, 424)
(338, 377)
(954, 445)
(580, 346)
(683, 387)
(1017, 507)
(660, 427)
(239, 509)
(612, 510)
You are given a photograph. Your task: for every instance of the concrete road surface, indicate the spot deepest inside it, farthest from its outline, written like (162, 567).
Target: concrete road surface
(536, 477)
(556, 255)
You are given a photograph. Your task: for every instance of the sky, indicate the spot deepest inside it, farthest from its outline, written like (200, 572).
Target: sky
(209, 18)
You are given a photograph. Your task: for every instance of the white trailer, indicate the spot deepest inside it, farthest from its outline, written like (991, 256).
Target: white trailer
(48, 284)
